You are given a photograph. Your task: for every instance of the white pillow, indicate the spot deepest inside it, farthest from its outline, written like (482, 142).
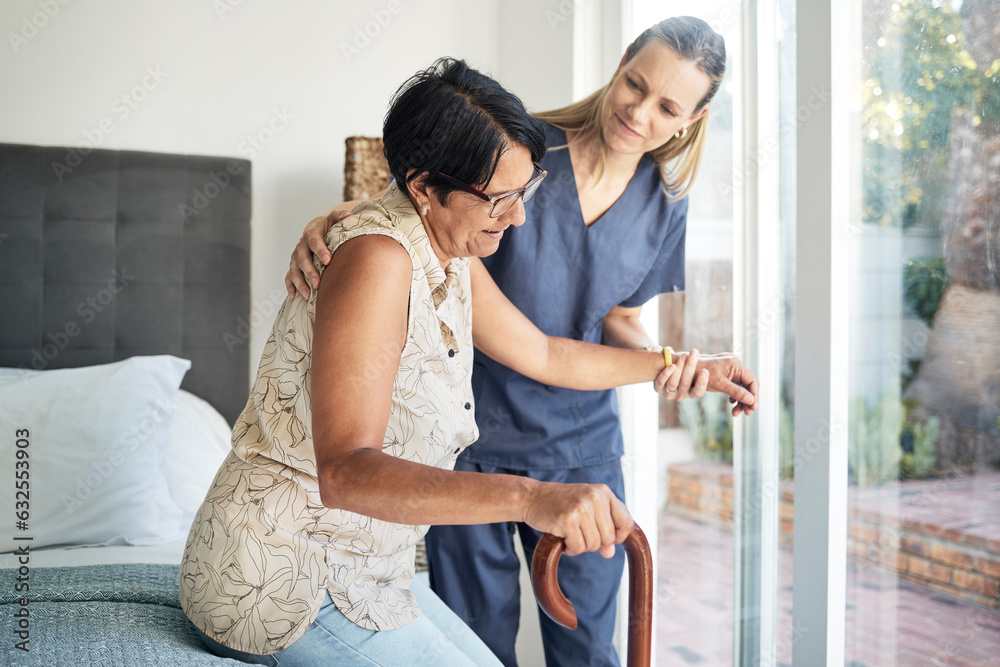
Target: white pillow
(197, 442)
(95, 439)
(13, 375)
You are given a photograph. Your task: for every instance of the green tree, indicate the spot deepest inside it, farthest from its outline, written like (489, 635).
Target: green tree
(916, 72)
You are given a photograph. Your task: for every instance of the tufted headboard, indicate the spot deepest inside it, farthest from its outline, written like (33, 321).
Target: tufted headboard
(110, 254)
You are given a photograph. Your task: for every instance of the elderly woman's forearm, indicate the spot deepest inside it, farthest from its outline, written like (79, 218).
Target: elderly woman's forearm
(369, 482)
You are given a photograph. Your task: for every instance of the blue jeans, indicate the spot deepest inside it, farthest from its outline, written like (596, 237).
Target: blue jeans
(475, 570)
(436, 638)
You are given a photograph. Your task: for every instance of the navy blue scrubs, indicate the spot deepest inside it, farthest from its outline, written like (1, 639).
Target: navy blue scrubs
(565, 277)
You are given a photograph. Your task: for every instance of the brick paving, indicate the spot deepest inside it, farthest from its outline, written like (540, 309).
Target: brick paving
(942, 534)
(890, 622)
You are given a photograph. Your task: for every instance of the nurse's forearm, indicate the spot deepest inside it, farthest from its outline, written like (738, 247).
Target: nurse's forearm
(585, 366)
(625, 330)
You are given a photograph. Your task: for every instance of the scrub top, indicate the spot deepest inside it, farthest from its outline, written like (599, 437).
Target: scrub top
(566, 277)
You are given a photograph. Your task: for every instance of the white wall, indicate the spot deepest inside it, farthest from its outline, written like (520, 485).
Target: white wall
(223, 74)
(227, 69)
(885, 333)
(536, 59)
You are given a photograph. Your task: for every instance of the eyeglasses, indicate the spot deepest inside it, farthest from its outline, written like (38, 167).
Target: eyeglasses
(504, 201)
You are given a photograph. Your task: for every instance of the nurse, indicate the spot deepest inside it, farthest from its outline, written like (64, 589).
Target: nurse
(604, 235)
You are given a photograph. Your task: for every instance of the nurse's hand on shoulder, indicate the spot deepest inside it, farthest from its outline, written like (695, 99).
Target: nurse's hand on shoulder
(589, 517)
(692, 374)
(301, 271)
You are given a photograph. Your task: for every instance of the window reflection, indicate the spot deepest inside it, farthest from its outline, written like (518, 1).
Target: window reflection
(924, 536)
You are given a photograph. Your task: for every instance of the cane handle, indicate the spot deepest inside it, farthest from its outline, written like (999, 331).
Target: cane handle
(545, 564)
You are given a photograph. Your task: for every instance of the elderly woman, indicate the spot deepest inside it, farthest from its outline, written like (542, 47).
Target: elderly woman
(303, 551)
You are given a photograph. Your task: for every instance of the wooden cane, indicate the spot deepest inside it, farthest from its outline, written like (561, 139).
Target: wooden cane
(545, 563)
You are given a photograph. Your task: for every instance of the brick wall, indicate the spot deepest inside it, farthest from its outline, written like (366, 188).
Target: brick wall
(946, 559)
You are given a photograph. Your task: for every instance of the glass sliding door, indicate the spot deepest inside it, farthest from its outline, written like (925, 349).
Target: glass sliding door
(791, 114)
(694, 566)
(897, 362)
(923, 527)
(711, 554)
(884, 183)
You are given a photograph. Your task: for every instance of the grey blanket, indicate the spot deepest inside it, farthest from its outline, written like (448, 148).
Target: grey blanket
(98, 615)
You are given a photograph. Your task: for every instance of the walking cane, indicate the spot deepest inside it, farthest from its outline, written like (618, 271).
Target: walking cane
(545, 563)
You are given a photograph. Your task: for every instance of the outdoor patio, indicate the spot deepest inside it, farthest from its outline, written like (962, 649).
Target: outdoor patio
(920, 552)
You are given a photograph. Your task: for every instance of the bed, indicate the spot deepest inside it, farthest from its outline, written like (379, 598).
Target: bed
(124, 311)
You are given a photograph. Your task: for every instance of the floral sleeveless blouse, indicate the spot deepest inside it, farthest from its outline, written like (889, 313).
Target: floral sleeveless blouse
(263, 550)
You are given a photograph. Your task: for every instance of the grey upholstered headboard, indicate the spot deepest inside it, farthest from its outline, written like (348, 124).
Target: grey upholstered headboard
(111, 254)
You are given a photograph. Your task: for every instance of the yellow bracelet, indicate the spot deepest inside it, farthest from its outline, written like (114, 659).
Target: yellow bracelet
(668, 353)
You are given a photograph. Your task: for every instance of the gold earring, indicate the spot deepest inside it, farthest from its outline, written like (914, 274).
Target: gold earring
(681, 133)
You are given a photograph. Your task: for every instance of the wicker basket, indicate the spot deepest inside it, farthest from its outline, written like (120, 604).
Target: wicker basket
(366, 173)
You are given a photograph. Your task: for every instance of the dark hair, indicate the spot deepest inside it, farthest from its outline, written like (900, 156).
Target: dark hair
(452, 119)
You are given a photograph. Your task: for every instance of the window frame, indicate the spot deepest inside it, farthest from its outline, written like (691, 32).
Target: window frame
(757, 333)
(821, 333)
(821, 310)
